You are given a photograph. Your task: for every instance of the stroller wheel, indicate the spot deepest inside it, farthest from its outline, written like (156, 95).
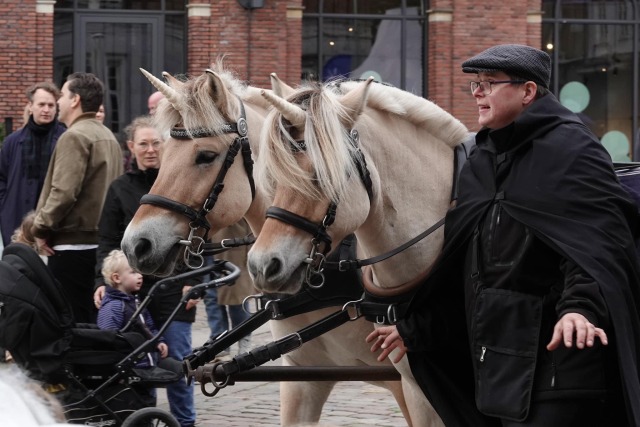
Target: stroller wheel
(151, 417)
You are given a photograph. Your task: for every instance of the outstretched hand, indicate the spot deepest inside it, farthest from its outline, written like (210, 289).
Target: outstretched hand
(574, 324)
(388, 339)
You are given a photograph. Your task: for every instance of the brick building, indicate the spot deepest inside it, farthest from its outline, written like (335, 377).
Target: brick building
(417, 45)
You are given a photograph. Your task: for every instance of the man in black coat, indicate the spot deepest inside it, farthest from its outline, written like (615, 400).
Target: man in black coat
(540, 326)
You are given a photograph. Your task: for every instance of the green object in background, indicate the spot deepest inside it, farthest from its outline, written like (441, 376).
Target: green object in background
(575, 96)
(617, 145)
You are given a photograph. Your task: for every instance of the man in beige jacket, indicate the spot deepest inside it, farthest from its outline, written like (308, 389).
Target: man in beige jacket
(85, 161)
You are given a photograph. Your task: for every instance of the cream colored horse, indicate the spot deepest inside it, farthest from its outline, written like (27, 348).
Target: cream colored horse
(408, 144)
(152, 240)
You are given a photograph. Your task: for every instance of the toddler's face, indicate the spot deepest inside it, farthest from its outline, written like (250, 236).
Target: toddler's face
(130, 281)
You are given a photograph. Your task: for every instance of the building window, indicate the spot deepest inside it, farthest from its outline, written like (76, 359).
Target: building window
(357, 39)
(113, 39)
(595, 67)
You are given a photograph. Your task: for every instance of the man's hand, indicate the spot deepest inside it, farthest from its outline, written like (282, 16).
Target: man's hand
(388, 339)
(43, 247)
(98, 295)
(574, 323)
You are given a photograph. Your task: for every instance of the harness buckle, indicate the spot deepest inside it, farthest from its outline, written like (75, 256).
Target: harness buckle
(344, 265)
(392, 314)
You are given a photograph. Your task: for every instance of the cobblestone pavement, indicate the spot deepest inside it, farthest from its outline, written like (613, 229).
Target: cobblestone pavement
(248, 404)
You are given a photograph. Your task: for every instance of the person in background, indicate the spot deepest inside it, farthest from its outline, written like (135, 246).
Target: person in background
(530, 317)
(224, 304)
(86, 159)
(100, 114)
(152, 102)
(121, 203)
(25, 157)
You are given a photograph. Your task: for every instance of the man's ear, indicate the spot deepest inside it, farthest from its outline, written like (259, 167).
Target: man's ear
(530, 91)
(75, 100)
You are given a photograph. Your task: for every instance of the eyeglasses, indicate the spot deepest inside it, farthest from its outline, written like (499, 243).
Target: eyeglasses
(145, 145)
(487, 85)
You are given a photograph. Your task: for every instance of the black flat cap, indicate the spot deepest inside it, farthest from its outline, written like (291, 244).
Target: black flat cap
(524, 61)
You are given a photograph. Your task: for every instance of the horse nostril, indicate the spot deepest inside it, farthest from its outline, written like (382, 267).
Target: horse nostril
(142, 247)
(273, 268)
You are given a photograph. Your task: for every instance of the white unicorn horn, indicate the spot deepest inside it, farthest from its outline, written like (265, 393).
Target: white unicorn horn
(171, 94)
(356, 99)
(289, 110)
(279, 87)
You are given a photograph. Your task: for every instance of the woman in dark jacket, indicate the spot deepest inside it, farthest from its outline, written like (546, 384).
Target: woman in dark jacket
(121, 204)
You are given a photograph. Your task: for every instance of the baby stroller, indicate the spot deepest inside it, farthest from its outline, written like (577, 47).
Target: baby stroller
(90, 371)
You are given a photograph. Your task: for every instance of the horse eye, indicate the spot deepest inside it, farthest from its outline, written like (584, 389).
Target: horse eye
(205, 157)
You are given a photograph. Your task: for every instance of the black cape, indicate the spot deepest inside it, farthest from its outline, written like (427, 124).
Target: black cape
(561, 184)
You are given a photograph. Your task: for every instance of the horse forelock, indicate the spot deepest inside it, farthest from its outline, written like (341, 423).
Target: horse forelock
(416, 110)
(199, 109)
(328, 148)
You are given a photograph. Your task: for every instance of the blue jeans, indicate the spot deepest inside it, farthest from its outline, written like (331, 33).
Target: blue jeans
(179, 394)
(218, 315)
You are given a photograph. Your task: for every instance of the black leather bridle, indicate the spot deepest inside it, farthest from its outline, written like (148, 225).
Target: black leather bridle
(198, 219)
(316, 258)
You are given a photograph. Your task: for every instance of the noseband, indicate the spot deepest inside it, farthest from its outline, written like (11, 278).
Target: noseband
(198, 219)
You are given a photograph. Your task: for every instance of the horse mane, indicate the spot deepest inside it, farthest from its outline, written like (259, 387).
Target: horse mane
(417, 110)
(329, 155)
(199, 109)
(324, 137)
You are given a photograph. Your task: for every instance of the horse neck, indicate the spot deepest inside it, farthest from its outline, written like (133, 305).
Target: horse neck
(413, 188)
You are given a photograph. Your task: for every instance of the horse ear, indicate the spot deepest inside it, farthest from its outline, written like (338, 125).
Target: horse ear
(355, 100)
(173, 82)
(171, 94)
(290, 111)
(218, 90)
(279, 87)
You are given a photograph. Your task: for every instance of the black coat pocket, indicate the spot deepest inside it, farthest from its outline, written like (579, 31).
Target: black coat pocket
(506, 327)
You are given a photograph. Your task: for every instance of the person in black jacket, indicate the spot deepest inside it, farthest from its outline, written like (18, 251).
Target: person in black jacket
(530, 318)
(121, 204)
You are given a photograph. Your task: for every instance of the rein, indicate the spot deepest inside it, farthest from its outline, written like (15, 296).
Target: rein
(195, 245)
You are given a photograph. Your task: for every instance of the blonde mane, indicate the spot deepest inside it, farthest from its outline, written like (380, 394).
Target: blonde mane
(328, 145)
(199, 109)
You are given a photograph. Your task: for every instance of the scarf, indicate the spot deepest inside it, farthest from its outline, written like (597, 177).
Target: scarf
(36, 149)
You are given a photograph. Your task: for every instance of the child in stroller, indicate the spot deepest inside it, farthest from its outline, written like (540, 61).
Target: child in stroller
(117, 309)
(89, 370)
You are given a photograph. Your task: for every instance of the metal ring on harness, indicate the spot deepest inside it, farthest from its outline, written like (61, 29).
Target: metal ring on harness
(194, 249)
(218, 386)
(356, 307)
(247, 301)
